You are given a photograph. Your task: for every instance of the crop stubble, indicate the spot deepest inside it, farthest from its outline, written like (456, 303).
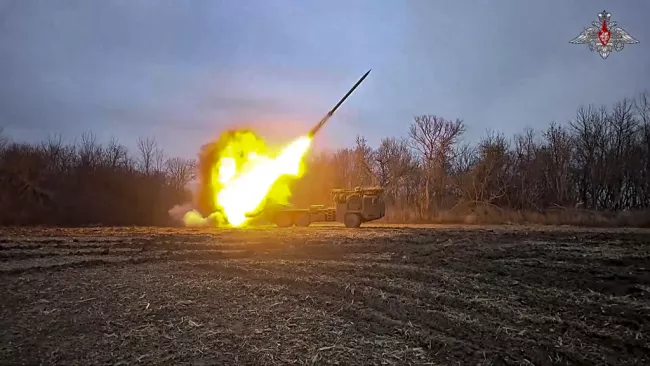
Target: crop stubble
(377, 295)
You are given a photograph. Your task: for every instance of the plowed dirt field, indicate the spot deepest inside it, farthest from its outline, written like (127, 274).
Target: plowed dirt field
(325, 295)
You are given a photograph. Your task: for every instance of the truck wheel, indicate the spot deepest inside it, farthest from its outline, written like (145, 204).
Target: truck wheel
(283, 220)
(303, 220)
(352, 220)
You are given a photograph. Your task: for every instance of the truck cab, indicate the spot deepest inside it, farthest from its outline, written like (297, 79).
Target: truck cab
(358, 205)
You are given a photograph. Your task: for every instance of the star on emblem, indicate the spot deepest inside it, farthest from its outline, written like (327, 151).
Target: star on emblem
(604, 36)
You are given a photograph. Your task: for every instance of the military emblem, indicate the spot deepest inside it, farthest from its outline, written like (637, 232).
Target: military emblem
(604, 36)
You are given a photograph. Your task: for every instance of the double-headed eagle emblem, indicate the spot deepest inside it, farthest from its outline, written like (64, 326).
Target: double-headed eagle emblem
(604, 36)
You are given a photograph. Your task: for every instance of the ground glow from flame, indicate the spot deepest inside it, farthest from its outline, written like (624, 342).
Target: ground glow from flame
(243, 178)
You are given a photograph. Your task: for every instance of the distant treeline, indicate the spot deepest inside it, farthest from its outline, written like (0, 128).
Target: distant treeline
(595, 170)
(88, 183)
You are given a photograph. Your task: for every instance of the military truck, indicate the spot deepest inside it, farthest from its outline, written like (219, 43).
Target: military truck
(352, 207)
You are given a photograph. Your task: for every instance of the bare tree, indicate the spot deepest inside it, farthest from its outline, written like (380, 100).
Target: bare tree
(54, 150)
(621, 164)
(489, 175)
(147, 147)
(116, 154)
(363, 159)
(433, 138)
(642, 105)
(342, 165)
(89, 150)
(590, 141)
(159, 160)
(556, 160)
(526, 176)
(180, 172)
(393, 163)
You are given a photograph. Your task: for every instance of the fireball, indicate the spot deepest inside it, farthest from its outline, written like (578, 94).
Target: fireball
(242, 174)
(238, 175)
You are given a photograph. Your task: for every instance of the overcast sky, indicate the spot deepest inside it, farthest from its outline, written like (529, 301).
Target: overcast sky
(183, 71)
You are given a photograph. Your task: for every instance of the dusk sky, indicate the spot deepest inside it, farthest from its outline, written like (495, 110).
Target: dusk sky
(183, 71)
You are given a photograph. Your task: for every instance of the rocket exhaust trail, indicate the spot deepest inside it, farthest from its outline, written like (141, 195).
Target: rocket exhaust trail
(329, 114)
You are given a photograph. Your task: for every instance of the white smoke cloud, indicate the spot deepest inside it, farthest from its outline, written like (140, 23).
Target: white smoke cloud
(178, 212)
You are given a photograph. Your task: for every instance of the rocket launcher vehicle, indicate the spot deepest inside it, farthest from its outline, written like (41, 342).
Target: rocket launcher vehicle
(322, 122)
(204, 200)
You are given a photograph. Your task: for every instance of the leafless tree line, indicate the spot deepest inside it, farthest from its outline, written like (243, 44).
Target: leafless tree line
(592, 169)
(88, 183)
(600, 161)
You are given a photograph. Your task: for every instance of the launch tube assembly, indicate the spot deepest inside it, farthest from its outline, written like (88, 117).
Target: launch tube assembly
(331, 112)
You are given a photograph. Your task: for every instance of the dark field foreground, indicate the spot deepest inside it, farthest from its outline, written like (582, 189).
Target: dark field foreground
(381, 295)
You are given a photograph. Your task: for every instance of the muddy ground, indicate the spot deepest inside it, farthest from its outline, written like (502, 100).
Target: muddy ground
(325, 295)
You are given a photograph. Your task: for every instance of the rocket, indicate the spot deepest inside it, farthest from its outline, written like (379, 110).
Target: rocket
(329, 114)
